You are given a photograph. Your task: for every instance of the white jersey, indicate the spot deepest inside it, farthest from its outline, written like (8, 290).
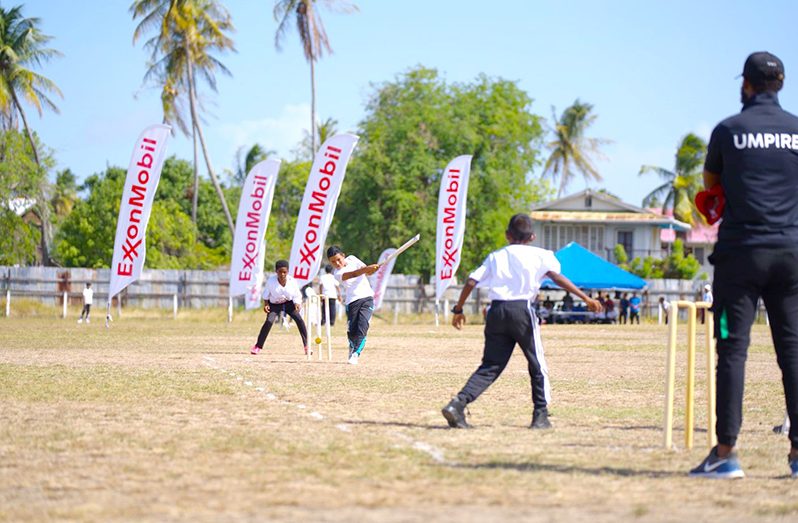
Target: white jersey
(515, 272)
(355, 288)
(329, 286)
(88, 296)
(276, 293)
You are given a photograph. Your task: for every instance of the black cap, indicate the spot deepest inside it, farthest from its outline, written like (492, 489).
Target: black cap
(763, 66)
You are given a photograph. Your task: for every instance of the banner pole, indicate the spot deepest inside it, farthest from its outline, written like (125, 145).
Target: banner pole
(229, 309)
(437, 306)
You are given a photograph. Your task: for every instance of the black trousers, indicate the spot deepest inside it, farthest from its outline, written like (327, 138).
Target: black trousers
(743, 276)
(509, 323)
(359, 315)
(331, 303)
(86, 311)
(275, 309)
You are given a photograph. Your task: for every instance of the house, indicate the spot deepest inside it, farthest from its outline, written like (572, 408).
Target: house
(598, 221)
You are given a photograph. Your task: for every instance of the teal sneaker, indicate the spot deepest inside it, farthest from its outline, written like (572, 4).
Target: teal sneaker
(715, 467)
(793, 467)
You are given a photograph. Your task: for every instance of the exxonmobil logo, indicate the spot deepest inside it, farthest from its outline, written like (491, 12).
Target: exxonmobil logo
(252, 225)
(134, 232)
(311, 241)
(451, 195)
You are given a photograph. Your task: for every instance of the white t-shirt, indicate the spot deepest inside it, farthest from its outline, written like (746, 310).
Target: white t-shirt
(88, 296)
(276, 293)
(515, 272)
(354, 288)
(329, 286)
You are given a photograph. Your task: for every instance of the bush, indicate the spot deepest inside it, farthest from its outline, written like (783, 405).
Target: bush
(676, 265)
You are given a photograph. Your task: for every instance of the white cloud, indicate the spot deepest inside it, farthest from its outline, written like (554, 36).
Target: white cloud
(281, 133)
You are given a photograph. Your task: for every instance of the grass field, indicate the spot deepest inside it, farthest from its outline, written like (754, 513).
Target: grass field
(158, 419)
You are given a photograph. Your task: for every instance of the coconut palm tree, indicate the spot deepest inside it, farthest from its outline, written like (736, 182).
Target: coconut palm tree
(23, 47)
(246, 159)
(681, 184)
(571, 150)
(312, 36)
(186, 33)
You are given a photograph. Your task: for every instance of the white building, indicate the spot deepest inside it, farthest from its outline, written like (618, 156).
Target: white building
(598, 222)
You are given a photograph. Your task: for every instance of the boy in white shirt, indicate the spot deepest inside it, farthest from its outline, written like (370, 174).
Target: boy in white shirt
(351, 273)
(513, 275)
(281, 295)
(328, 286)
(88, 297)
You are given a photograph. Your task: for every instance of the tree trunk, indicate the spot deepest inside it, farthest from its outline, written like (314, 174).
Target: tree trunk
(45, 227)
(312, 109)
(195, 193)
(196, 126)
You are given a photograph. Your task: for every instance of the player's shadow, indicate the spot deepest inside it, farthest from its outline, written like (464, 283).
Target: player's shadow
(395, 424)
(529, 466)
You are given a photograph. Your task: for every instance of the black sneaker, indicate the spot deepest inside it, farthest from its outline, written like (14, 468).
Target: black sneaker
(540, 419)
(454, 412)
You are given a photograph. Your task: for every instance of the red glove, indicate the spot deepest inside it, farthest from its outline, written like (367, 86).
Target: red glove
(710, 203)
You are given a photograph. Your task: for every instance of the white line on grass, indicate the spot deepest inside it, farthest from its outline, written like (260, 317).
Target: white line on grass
(433, 452)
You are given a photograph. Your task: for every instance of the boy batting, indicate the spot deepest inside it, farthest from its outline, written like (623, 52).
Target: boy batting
(513, 275)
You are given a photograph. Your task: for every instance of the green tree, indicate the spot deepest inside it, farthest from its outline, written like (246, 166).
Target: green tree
(65, 193)
(23, 47)
(86, 237)
(414, 126)
(186, 33)
(681, 184)
(676, 265)
(312, 36)
(571, 150)
(324, 130)
(20, 186)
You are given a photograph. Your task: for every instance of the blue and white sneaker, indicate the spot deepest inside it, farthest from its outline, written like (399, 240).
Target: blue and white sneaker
(793, 467)
(714, 467)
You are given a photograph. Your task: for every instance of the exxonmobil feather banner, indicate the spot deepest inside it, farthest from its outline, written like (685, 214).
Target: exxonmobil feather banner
(141, 181)
(379, 280)
(451, 222)
(246, 264)
(318, 206)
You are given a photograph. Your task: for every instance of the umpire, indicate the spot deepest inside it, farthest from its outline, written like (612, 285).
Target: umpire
(754, 157)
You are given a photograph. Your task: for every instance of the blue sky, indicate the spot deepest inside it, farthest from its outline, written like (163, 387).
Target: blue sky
(653, 71)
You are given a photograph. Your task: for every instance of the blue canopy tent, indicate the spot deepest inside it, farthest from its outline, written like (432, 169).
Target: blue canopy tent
(588, 271)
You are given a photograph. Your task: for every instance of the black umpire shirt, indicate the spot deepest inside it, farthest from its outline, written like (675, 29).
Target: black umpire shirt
(756, 155)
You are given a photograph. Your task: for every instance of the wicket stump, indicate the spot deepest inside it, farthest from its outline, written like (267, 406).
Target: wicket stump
(692, 308)
(313, 305)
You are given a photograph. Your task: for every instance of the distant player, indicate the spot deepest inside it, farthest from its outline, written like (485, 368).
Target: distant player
(88, 297)
(281, 295)
(328, 286)
(513, 275)
(351, 273)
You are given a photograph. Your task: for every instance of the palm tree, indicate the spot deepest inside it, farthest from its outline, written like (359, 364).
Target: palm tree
(571, 150)
(187, 31)
(682, 183)
(245, 161)
(22, 46)
(312, 36)
(324, 130)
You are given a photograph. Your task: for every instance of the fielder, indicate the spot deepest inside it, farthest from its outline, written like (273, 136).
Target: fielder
(88, 297)
(281, 295)
(513, 274)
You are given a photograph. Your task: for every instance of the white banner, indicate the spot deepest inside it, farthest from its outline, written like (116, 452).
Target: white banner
(252, 298)
(318, 206)
(379, 280)
(246, 263)
(451, 222)
(141, 181)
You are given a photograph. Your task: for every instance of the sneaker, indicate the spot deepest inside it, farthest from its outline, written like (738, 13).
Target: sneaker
(540, 419)
(308, 351)
(454, 412)
(88, 320)
(793, 467)
(254, 350)
(353, 358)
(718, 468)
(80, 320)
